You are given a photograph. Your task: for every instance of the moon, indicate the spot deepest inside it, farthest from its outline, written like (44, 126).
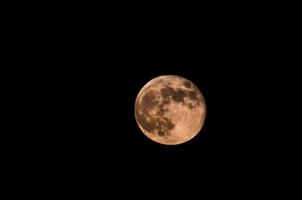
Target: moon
(170, 110)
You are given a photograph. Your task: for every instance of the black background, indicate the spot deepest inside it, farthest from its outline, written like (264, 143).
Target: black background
(85, 71)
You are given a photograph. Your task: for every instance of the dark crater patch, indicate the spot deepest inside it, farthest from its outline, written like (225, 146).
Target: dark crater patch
(164, 126)
(179, 95)
(162, 110)
(147, 125)
(149, 101)
(167, 91)
(193, 95)
(161, 133)
(187, 84)
(190, 106)
(168, 124)
(160, 123)
(165, 101)
(196, 96)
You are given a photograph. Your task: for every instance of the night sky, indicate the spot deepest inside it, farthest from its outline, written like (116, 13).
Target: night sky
(71, 73)
(85, 129)
(84, 86)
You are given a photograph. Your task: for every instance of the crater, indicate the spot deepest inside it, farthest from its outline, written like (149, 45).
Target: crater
(179, 95)
(187, 84)
(147, 125)
(161, 133)
(164, 126)
(166, 101)
(193, 95)
(168, 124)
(190, 106)
(151, 123)
(167, 91)
(149, 101)
(162, 110)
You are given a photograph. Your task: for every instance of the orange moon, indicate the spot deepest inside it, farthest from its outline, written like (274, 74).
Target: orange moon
(170, 110)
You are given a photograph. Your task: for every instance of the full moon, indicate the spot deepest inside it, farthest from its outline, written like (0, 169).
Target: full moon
(170, 110)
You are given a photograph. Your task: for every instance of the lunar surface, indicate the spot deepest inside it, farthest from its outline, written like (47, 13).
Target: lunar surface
(170, 110)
